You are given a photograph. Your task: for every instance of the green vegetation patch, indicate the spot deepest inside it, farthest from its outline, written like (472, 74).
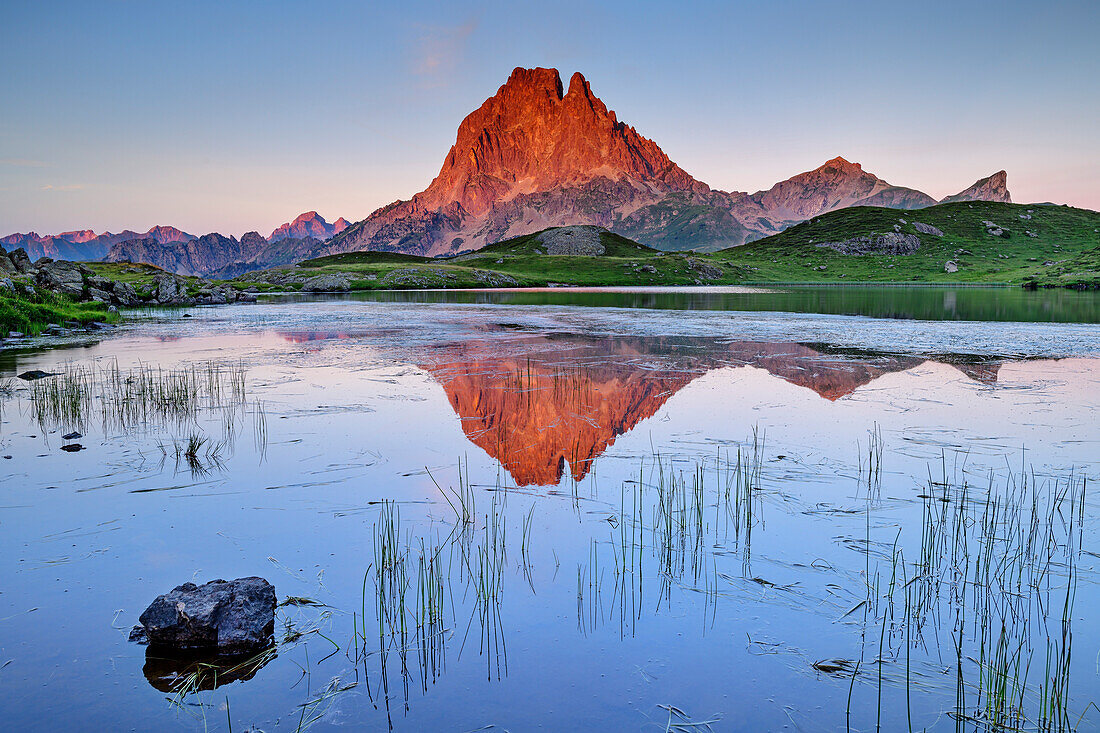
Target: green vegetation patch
(31, 314)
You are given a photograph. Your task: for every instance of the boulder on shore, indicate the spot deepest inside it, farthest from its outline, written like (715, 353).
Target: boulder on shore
(328, 283)
(235, 615)
(61, 276)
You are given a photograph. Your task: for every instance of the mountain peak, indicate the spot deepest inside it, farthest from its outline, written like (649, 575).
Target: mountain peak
(533, 81)
(579, 86)
(308, 224)
(531, 137)
(835, 184)
(841, 163)
(78, 237)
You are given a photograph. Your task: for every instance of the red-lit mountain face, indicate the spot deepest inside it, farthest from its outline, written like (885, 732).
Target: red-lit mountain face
(535, 155)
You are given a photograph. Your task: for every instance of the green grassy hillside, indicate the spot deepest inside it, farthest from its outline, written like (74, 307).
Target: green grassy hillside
(1043, 244)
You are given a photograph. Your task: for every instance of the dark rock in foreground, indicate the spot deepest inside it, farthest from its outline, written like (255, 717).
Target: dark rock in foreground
(233, 615)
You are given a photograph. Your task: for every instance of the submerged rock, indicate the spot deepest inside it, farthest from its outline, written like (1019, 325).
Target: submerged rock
(233, 615)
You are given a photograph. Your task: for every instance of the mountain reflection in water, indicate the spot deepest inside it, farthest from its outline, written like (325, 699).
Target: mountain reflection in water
(564, 399)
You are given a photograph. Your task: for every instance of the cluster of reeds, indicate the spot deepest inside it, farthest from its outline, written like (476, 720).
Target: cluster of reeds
(995, 577)
(124, 399)
(410, 589)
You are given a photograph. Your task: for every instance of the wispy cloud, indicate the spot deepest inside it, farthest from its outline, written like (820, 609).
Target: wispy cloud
(24, 163)
(64, 187)
(439, 49)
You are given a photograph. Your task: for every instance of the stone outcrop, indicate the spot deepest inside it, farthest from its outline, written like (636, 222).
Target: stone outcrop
(575, 240)
(79, 282)
(229, 616)
(65, 278)
(22, 261)
(891, 243)
(327, 283)
(927, 229)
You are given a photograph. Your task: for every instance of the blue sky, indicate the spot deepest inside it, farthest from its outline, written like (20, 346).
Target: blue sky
(230, 116)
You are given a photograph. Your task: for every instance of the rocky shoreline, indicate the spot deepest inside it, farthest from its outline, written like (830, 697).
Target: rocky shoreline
(77, 281)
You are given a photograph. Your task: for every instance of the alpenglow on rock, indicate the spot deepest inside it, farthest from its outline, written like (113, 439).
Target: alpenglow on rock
(229, 616)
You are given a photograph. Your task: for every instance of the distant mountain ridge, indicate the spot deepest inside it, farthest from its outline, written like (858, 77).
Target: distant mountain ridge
(185, 254)
(215, 255)
(85, 244)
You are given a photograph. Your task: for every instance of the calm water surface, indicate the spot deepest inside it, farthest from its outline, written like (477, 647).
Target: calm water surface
(752, 515)
(935, 303)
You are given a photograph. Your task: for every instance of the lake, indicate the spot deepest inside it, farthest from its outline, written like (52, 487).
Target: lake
(723, 509)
